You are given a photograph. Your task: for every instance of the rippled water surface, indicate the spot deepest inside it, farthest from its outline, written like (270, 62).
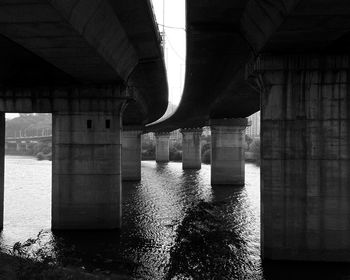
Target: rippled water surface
(175, 226)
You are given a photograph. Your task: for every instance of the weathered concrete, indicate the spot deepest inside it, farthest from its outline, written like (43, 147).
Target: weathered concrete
(86, 179)
(191, 148)
(91, 42)
(305, 178)
(131, 154)
(227, 151)
(2, 166)
(162, 146)
(58, 99)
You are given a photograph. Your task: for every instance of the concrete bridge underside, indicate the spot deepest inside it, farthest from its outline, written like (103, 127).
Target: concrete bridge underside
(96, 66)
(290, 60)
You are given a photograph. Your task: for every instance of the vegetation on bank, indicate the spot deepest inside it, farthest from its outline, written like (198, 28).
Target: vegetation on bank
(40, 150)
(149, 150)
(37, 258)
(30, 125)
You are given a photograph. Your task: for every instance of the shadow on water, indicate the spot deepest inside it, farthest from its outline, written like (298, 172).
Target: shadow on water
(211, 243)
(90, 249)
(162, 166)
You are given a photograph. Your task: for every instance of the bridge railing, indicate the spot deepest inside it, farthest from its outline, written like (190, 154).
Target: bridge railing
(30, 133)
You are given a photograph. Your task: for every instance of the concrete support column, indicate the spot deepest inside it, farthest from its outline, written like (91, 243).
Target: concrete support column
(18, 146)
(191, 148)
(86, 180)
(2, 166)
(305, 178)
(162, 146)
(131, 154)
(27, 143)
(227, 151)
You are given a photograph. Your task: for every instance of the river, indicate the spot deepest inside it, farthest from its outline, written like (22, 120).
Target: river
(175, 226)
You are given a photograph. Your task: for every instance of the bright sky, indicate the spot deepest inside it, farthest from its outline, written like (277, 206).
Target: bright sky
(175, 43)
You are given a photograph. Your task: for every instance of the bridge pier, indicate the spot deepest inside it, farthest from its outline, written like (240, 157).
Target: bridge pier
(305, 178)
(191, 148)
(18, 146)
(131, 154)
(27, 144)
(162, 146)
(86, 180)
(227, 151)
(2, 167)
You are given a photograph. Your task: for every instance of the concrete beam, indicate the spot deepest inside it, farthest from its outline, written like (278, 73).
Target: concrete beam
(227, 151)
(91, 51)
(131, 154)
(58, 99)
(191, 148)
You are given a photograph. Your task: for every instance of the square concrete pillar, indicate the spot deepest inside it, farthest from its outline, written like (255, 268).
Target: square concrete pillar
(305, 167)
(2, 166)
(86, 167)
(191, 148)
(227, 151)
(131, 154)
(162, 146)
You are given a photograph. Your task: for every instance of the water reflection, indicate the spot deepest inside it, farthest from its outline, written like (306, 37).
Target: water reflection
(164, 201)
(175, 225)
(27, 201)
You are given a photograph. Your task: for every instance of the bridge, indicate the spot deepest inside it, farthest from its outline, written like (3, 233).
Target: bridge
(96, 66)
(99, 65)
(289, 59)
(21, 140)
(29, 138)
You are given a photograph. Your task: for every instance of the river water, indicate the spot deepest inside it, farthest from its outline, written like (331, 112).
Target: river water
(175, 226)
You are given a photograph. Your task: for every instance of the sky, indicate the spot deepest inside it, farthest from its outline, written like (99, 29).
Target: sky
(175, 45)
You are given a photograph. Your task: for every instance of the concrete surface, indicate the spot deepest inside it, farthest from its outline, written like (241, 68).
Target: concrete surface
(131, 155)
(305, 158)
(162, 146)
(227, 151)
(86, 170)
(191, 148)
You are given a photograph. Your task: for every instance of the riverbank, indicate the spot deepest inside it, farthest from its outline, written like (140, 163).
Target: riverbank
(38, 156)
(40, 150)
(15, 268)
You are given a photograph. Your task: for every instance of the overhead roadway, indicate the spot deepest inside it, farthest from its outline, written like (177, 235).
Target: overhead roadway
(224, 37)
(50, 43)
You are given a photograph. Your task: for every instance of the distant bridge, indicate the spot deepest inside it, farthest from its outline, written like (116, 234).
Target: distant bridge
(21, 140)
(31, 135)
(29, 138)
